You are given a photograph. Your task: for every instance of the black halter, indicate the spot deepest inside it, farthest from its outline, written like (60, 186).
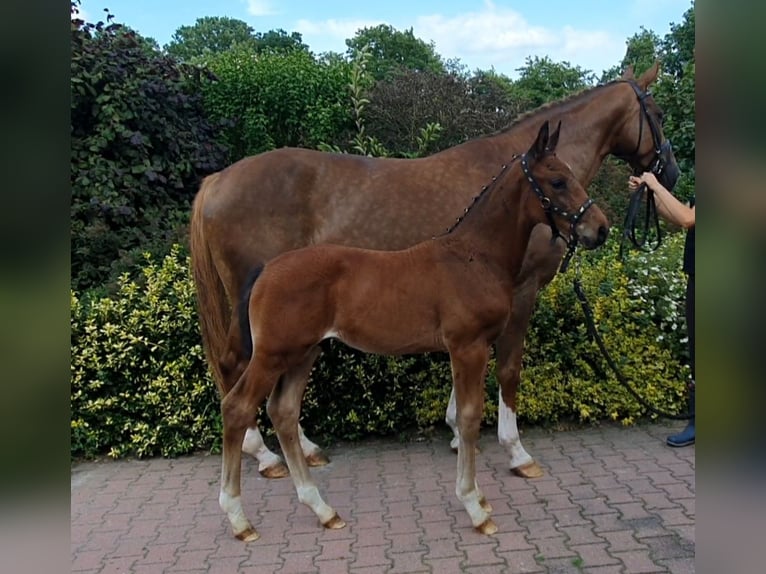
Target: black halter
(661, 147)
(551, 209)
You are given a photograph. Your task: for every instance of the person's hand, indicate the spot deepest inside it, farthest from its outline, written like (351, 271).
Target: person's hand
(647, 177)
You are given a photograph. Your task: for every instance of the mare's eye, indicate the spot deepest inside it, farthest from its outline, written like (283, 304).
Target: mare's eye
(558, 184)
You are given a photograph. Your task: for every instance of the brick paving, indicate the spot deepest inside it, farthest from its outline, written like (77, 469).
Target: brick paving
(613, 500)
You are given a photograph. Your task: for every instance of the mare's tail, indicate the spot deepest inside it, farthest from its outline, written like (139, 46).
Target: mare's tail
(212, 301)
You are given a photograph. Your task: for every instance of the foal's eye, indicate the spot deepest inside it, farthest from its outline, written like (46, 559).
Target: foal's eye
(558, 184)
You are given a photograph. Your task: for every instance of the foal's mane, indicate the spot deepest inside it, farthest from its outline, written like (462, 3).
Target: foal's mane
(484, 191)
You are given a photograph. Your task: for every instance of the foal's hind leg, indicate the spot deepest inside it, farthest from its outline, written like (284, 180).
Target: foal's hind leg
(237, 408)
(270, 464)
(284, 407)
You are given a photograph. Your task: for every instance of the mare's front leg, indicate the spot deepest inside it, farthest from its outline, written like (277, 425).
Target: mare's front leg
(238, 408)
(540, 265)
(469, 363)
(284, 407)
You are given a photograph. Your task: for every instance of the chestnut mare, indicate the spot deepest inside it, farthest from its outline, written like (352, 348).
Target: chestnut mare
(284, 199)
(452, 293)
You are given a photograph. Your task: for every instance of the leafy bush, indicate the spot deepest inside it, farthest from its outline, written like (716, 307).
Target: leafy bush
(139, 381)
(277, 99)
(140, 385)
(140, 143)
(638, 309)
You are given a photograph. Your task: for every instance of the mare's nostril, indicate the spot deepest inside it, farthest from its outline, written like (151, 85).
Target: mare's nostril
(602, 234)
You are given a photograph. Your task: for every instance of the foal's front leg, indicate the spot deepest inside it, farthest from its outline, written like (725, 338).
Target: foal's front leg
(469, 364)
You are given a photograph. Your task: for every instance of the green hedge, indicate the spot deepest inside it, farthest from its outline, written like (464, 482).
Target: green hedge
(140, 386)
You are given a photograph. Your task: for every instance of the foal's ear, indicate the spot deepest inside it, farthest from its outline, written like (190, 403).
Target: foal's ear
(627, 74)
(538, 148)
(553, 140)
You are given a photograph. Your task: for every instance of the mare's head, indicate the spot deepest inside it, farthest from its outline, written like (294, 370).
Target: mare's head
(642, 141)
(556, 197)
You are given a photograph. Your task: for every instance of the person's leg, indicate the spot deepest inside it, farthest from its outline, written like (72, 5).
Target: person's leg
(686, 436)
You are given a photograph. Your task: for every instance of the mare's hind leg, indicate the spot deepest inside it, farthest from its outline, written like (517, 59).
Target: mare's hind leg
(237, 408)
(284, 407)
(469, 363)
(270, 464)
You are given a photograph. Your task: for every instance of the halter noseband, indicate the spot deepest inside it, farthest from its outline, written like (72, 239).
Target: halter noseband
(551, 209)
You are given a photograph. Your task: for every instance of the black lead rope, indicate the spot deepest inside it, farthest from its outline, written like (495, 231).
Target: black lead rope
(651, 218)
(594, 336)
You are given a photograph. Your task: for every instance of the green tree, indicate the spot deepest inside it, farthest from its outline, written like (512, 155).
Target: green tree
(140, 141)
(642, 50)
(392, 50)
(278, 99)
(211, 34)
(677, 48)
(279, 41)
(542, 80)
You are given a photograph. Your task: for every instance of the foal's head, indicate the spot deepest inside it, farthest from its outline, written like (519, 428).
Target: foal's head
(557, 197)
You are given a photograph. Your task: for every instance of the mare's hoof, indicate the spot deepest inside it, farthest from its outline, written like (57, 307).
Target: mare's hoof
(529, 470)
(334, 523)
(487, 527)
(249, 535)
(278, 470)
(485, 506)
(317, 459)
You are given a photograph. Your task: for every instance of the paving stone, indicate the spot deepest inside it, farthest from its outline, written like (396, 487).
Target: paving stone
(613, 500)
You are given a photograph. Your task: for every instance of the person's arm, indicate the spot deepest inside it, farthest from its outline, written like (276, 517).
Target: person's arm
(668, 207)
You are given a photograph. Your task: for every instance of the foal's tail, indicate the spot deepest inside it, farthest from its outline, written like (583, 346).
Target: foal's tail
(243, 311)
(212, 301)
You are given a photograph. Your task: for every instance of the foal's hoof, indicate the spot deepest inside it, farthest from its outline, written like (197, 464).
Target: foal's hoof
(529, 470)
(249, 535)
(485, 506)
(317, 459)
(278, 470)
(334, 523)
(487, 527)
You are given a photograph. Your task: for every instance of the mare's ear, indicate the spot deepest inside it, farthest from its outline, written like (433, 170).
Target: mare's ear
(538, 148)
(553, 140)
(649, 76)
(628, 73)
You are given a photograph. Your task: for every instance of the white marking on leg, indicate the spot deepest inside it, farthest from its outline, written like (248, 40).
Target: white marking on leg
(309, 495)
(307, 446)
(466, 487)
(451, 419)
(254, 446)
(232, 506)
(508, 434)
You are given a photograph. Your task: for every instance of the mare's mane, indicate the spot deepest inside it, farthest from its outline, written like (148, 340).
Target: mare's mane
(566, 102)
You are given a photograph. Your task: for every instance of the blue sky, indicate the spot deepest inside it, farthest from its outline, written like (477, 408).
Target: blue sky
(481, 33)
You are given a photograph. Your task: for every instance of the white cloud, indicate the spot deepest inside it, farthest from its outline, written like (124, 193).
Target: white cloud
(329, 35)
(260, 8)
(491, 36)
(81, 14)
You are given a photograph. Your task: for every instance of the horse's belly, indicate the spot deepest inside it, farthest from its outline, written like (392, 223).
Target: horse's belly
(383, 339)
